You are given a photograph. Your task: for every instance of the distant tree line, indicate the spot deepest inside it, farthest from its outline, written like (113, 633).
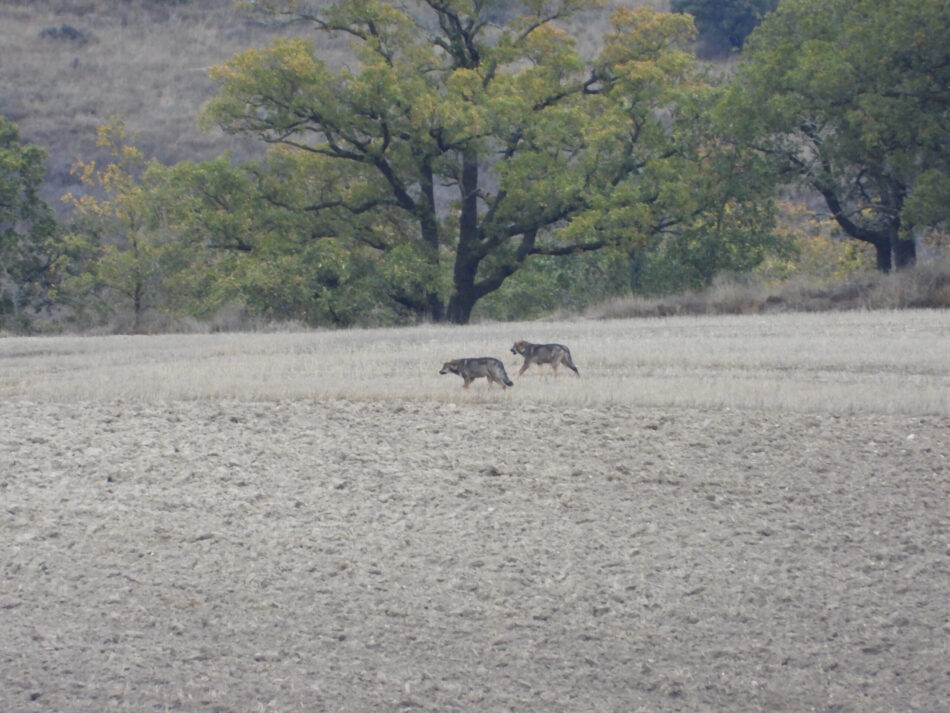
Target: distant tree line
(474, 163)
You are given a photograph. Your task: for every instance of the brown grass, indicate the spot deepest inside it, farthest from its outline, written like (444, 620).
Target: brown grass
(925, 286)
(869, 361)
(143, 60)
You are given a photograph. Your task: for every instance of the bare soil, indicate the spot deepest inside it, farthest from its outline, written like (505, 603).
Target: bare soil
(416, 555)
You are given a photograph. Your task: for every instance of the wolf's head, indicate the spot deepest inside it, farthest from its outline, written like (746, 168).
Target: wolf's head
(450, 367)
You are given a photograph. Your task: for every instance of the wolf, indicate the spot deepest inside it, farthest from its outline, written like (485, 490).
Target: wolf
(553, 354)
(471, 369)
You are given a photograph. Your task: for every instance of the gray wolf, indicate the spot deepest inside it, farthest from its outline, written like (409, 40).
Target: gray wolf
(553, 354)
(471, 369)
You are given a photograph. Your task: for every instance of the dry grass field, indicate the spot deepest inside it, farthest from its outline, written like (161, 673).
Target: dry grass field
(720, 514)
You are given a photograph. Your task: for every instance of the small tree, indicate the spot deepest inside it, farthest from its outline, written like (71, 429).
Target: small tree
(116, 247)
(27, 255)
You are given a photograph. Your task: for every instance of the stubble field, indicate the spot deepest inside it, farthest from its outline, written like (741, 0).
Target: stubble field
(735, 513)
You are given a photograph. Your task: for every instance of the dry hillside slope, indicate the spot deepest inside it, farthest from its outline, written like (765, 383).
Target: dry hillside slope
(68, 65)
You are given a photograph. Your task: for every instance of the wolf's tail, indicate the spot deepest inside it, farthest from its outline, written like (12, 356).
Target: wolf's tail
(569, 363)
(509, 382)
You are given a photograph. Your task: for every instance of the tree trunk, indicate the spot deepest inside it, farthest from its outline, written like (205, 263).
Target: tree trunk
(460, 306)
(464, 294)
(894, 252)
(905, 253)
(889, 247)
(435, 310)
(137, 293)
(429, 226)
(882, 250)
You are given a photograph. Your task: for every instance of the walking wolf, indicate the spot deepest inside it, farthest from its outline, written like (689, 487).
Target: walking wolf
(471, 369)
(553, 354)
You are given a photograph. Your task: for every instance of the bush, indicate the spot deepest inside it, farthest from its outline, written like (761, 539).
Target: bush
(924, 286)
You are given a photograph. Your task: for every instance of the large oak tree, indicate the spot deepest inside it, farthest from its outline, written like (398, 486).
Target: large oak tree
(486, 143)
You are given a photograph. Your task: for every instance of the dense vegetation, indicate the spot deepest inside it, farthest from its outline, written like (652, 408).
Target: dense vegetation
(473, 160)
(26, 227)
(724, 25)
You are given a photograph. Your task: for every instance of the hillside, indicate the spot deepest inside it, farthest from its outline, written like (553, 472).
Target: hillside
(68, 65)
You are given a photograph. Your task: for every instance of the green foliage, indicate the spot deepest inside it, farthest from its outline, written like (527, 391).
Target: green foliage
(268, 236)
(816, 251)
(27, 255)
(850, 98)
(547, 284)
(725, 24)
(115, 248)
(458, 153)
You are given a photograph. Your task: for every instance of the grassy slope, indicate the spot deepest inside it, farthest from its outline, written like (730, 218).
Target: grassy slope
(144, 60)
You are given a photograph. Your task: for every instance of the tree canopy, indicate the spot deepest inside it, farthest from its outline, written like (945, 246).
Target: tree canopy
(26, 227)
(851, 98)
(460, 148)
(115, 248)
(471, 158)
(259, 234)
